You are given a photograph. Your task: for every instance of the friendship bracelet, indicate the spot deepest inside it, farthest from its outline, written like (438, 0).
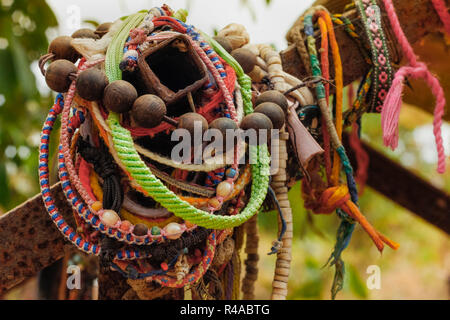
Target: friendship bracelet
(91, 217)
(69, 233)
(382, 74)
(149, 184)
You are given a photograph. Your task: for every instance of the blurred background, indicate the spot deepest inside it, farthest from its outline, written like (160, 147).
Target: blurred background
(420, 269)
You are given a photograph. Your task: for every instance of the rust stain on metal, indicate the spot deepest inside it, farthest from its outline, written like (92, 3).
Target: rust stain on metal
(29, 241)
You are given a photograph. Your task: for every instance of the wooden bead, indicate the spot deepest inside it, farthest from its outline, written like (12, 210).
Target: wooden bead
(62, 48)
(140, 230)
(256, 121)
(189, 120)
(245, 58)
(91, 84)
(273, 112)
(110, 218)
(225, 43)
(148, 111)
(173, 231)
(224, 125)
(273, 96)
(57, 75)
(103, 29)
(85, 33)
(119, 96)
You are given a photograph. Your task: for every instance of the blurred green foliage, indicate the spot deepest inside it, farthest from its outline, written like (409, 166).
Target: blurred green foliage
(23, 26)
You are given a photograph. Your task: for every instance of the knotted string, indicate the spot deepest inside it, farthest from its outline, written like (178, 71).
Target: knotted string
(339, 197)
(415, 69)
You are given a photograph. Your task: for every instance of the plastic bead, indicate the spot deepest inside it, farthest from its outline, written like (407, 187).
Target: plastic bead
(173, 231)
(224, 189)
(110, 218)
(215, 203)
(156, 231)
(125, 226)
(97, 206)
(231, 173)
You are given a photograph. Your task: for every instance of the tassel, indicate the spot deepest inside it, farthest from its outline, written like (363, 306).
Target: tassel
(391, 111)
(415, 69)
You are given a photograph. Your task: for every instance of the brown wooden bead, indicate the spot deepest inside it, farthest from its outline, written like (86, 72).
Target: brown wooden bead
(225, 43)
(274, 112)
(62, 48)
(273, 96)
(140, 230)
(256, 121)
(85, 33)
(245, 58)
(57, 75)
(119, 96)
(148, 111)
(103, 29)
(224, 124)
(188, 121)
(91, 84)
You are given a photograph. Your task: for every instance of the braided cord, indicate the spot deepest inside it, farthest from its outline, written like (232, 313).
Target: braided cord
(137, 170)
(244, 80)
(115, 50)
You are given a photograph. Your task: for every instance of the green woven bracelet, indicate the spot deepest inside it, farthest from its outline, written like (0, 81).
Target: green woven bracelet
(124, 146)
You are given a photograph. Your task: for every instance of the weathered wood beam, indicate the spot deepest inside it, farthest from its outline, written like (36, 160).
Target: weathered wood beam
(417, 17)
(29, 241)
(405, 188)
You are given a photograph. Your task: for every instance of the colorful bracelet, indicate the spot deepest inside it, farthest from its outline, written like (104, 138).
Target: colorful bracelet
(382, 74)
(149, 184)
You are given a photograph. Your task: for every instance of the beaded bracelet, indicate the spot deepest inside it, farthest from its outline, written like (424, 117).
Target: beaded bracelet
(92, 217)
(87, 213)
(382, 71)
(150, 185)
(218, 74)
(69, 233)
